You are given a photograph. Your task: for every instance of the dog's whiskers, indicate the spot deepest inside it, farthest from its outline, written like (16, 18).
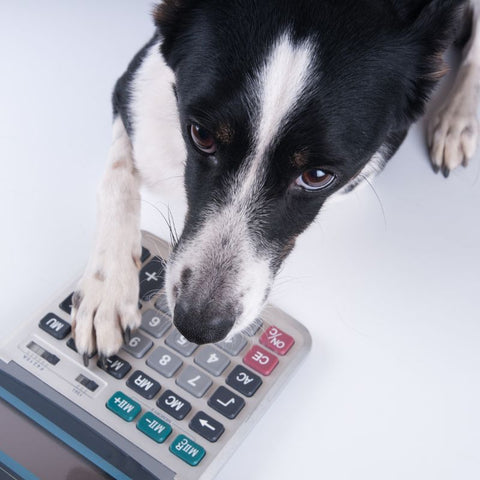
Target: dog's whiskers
(378, 198)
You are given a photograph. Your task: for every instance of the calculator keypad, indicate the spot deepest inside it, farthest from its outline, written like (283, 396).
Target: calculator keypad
(115, 366)
(155, 323)
(196, 371)
(234, 345)
(180, 344)
(164, 362)
(174, 405)
(144, 385)
(194, 381)
(138, 345)
(212, 360)
(55, 326)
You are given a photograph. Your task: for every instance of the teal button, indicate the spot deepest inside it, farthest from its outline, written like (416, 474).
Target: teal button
(123, 406)
(187, 450)
(154, 427)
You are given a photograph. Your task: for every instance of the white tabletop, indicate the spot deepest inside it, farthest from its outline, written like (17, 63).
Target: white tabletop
(387, 281)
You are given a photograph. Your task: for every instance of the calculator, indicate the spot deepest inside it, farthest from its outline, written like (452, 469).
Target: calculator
(163, 407)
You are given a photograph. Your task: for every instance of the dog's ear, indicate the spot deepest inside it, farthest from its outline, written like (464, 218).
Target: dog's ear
(169, 17)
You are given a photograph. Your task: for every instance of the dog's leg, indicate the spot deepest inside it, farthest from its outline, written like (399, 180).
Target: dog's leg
(453, 132)
(105, 303)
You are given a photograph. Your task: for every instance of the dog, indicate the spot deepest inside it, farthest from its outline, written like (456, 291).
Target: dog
(258, 111)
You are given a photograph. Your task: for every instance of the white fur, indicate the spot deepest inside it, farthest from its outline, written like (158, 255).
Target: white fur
(454, 131)
(279, 86)
(108, 290)
(158, 146)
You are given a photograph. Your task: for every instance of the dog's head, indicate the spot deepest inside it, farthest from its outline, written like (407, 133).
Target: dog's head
(282, 104)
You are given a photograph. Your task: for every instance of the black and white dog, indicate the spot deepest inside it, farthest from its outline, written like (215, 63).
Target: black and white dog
(268, 108)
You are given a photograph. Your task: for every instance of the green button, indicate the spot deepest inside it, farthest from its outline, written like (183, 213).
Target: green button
(154, 427)
(123, 406)
(187, 450)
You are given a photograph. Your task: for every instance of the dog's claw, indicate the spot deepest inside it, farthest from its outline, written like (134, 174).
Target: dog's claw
(102, 359)
(436, 168)
(85, 359)
(127, 335)
(445, 171)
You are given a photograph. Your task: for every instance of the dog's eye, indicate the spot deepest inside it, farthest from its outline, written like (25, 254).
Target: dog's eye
(203, 139)
(314, 179)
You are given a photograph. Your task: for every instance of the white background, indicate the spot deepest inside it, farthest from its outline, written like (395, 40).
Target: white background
(387, 282)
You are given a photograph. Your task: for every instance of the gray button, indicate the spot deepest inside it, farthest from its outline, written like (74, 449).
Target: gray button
(138, 345)
(212, 360)
(155, 323)
(194, 381)
(164, 362)
(162, 304)
(179, 343)
(234, 345)
(252, 329)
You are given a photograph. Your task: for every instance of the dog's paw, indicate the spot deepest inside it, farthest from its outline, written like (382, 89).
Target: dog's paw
(453, 134)
(105, 306)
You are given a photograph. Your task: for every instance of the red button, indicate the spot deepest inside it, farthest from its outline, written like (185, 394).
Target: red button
(276, 340)
(260, 360)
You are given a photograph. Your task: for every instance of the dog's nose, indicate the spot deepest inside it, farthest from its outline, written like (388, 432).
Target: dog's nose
(201, 327)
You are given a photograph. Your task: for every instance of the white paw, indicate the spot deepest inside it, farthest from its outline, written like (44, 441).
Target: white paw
(453, 134)
(105, 305)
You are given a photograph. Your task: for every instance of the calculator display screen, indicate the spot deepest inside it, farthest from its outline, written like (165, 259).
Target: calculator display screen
(30, 447)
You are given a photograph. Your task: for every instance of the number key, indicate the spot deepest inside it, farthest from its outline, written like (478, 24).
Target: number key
(138, 345)
(164, 362)
(155, 323)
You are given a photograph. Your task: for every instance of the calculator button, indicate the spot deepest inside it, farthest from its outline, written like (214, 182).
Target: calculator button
(226, 402)
(154, 427)
(253, 328)
(55, 326)
(138, 345)
(212, 360)
(155, 323)
(277, 340)
(144, 385)
(244, 381)
(206, 426)
(187, 450)
(233, 345)
(123, 406)
(71, 344)
(194, 381)
(162, 304)
(164, 362)
(179, 343)
(174, 405)
(66, 305)
(151, 278)
(116, 366)
(260, 360)
(145, 254)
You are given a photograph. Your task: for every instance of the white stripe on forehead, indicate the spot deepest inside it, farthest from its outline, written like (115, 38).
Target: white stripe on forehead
(279, 85)
(282, 81)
